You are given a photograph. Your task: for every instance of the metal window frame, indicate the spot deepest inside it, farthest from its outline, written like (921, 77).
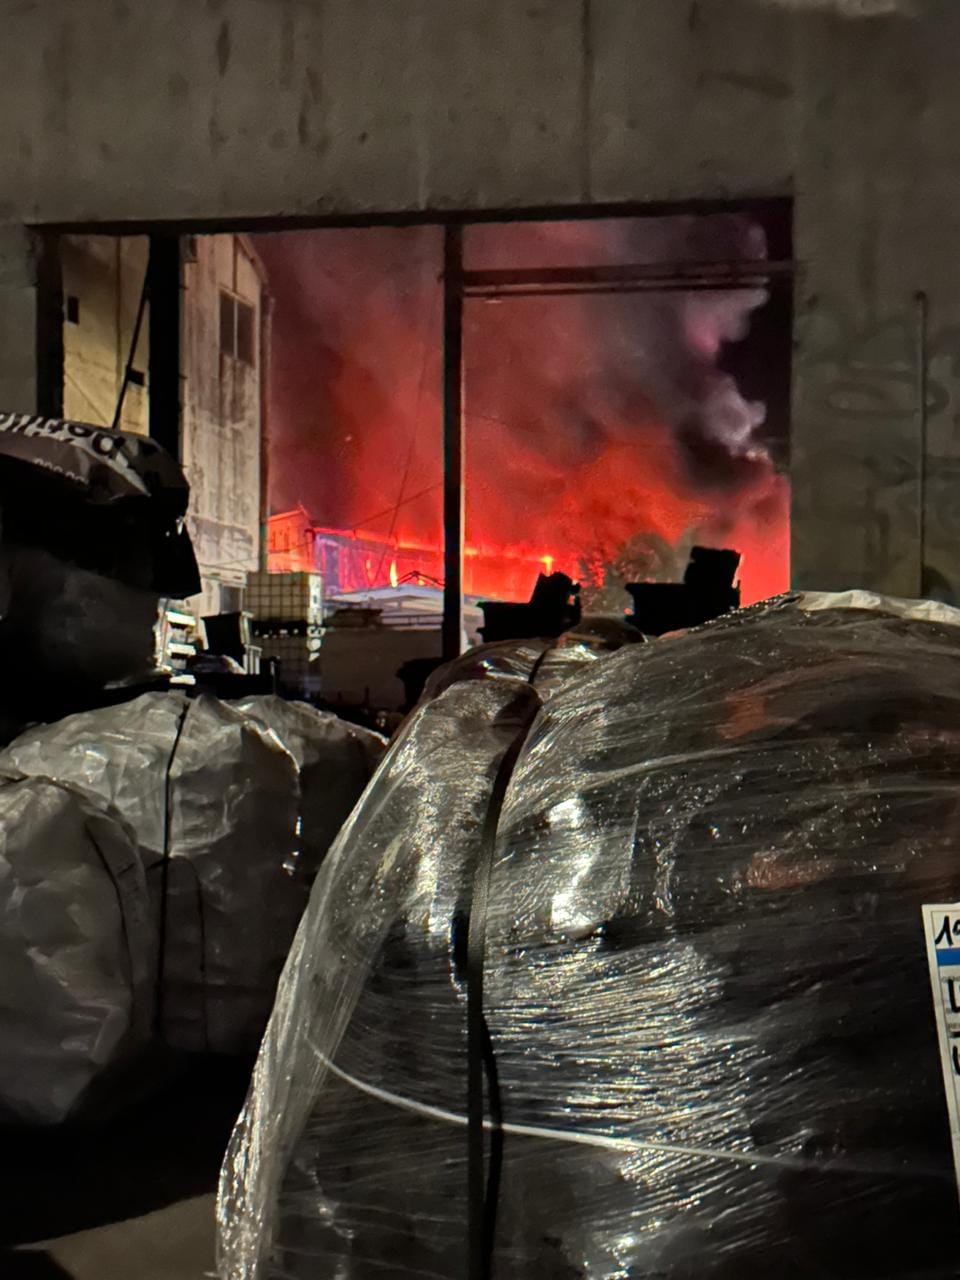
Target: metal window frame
(458, 285)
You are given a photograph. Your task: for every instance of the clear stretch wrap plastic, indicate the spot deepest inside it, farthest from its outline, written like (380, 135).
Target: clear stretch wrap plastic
(705, 979)
(77, 951)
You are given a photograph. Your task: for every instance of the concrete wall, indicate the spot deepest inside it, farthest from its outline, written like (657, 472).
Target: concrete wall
(105, 275)
(215, 108)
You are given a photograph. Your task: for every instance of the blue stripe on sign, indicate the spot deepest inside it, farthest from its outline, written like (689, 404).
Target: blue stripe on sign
(949, 955)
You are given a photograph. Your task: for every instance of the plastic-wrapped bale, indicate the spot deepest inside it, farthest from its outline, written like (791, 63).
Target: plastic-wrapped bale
(705, 982)
(214, 800)
(77, 954)
(336, 760)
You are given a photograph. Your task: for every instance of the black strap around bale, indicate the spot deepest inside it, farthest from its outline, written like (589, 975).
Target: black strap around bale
(163, 941)
(483, 1180)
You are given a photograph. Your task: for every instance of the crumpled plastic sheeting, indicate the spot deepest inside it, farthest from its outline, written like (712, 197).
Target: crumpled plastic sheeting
(336, 760)
(220, 794)
(77, 951)
(705, 980)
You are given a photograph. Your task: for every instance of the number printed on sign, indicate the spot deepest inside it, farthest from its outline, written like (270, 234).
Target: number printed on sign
(941, 926)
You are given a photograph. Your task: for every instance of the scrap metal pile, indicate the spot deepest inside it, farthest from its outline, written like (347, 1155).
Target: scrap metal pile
(711, 1049)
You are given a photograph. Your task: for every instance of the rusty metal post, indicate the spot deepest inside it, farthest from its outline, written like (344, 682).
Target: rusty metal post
(452, 635)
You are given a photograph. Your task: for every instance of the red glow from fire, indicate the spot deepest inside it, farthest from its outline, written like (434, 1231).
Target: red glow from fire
(575, 413)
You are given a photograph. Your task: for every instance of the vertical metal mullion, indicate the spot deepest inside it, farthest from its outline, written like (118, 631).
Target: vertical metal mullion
(453, 506)
(265, 358)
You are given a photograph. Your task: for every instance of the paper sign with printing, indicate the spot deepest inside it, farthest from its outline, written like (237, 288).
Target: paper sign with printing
(941, 925)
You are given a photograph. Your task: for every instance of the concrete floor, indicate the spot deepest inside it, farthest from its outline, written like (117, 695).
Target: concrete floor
(176, 1243)
(132, 1199)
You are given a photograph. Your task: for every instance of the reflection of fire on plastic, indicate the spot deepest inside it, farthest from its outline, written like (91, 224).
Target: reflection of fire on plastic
(393, 573)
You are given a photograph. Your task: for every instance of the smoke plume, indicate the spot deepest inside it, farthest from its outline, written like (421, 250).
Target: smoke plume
(603, 434)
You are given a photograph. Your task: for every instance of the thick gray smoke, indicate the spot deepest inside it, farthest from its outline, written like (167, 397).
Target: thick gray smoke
(625, 388)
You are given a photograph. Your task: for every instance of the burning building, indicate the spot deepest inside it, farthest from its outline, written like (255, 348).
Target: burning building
(353, 561)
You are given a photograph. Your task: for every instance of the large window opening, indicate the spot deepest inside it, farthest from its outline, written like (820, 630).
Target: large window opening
(625, 395)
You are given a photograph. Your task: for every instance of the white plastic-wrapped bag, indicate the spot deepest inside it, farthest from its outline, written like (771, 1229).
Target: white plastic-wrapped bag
(214, 800)
(77, 953)
(234, 806)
